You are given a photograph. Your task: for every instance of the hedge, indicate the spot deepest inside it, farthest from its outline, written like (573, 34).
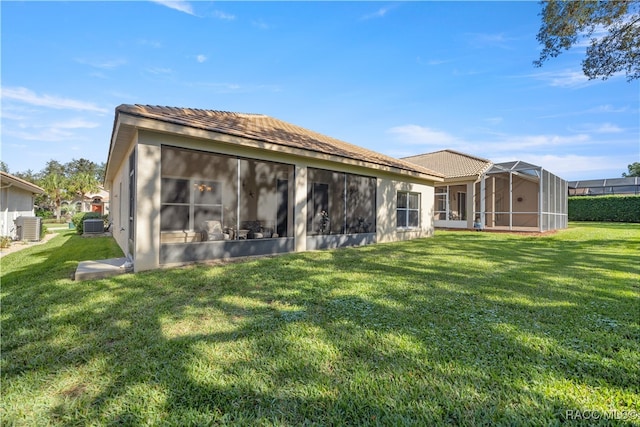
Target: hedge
(604, 208)
(78, 219)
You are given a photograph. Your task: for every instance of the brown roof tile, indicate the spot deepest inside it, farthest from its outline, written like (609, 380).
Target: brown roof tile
(450, 163)
(268, 129)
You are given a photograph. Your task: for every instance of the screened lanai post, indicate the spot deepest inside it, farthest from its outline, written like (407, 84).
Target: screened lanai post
(510, 200)
(541, 199)
(483, 202)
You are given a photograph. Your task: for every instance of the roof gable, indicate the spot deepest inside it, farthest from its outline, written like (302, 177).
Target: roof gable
(452, 164)
(268, 129)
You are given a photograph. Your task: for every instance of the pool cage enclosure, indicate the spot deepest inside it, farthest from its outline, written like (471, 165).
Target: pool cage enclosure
(520, 196)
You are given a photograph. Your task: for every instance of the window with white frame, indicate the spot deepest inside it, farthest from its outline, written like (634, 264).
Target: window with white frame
(408, 209)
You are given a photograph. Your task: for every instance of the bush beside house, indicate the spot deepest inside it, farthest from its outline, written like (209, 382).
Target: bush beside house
(604, 208)
(78, 220)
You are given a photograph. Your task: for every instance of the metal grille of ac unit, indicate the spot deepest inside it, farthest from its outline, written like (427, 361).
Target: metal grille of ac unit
(93, 226)
(28, 228)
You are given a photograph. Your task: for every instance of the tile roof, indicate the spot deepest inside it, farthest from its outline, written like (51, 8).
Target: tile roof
(20, 183)
(268, 129)
(452, 164)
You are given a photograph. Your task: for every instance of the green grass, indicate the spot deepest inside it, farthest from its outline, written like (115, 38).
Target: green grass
(464, 328)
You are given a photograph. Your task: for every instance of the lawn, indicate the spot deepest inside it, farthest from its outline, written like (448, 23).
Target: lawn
(463, 328)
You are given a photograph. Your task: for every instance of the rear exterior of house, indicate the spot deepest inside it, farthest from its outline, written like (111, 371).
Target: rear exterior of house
(456, 198)
(16, 200)
(192, 185)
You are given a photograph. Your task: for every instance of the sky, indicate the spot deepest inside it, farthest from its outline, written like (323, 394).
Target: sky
(399, 78)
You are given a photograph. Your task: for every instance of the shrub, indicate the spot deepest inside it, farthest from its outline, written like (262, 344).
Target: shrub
(44, 213)
(5, 241)
(78, 219)
(604, 208)
(43, 231)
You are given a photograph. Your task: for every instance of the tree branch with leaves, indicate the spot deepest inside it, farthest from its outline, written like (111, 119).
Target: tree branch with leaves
(611, 28)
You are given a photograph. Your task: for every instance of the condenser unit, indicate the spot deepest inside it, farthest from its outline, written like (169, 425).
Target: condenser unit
(28, 228)
(93, 226)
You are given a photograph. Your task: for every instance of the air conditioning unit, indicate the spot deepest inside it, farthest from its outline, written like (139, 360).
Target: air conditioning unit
(93, 226)
(28, 228)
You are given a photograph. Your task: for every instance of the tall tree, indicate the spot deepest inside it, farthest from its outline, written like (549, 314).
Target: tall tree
(612, 28)
(4, 167)
(82, 184)
(53, 167)
(634, 170)
(29, 175)
(55, 185)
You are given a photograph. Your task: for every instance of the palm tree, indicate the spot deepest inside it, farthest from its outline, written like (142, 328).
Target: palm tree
(55, 186)
(83, 183)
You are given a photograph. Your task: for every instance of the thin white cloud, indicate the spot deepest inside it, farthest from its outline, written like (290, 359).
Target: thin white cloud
(151, 43)
(27, 96)
(600, 128)
(159, 70)
(223, 15)
(564, 79)
(179, 5)
(420, 135)
(260, 24)
(571, 166)
(380, 13)
(487, 146)
(105, 65)
(76, 124)
(481, 40)
(494, 120)
(201, 58)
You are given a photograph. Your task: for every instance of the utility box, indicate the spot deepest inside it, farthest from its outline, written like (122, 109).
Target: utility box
(93, 226)
(28, 228)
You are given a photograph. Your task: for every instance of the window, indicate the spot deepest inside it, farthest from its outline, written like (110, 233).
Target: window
(408, 210)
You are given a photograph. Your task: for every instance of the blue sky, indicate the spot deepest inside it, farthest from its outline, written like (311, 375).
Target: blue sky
(400, 78)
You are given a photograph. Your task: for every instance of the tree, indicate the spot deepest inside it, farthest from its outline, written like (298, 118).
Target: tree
(4, 167)
(55, 185)
(82, 184)
(612, 28)
(634, 170)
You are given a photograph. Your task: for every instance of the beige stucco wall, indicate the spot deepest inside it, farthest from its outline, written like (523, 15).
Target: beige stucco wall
(148, 200)
(119, 212)
(388, 188)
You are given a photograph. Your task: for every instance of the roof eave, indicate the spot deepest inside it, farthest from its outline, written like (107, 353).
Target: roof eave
(141, 121)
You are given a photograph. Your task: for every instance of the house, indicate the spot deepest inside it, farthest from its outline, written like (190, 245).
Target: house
(97, 201)
(192, 185)
(601, 187)
(477, 193)
(16, 200)
(456, 197)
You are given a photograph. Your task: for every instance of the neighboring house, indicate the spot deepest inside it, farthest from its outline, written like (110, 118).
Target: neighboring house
(16, 199)
(193, 185)
(506, 196)
(97, 201)
(455, 197)
(605, 187)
